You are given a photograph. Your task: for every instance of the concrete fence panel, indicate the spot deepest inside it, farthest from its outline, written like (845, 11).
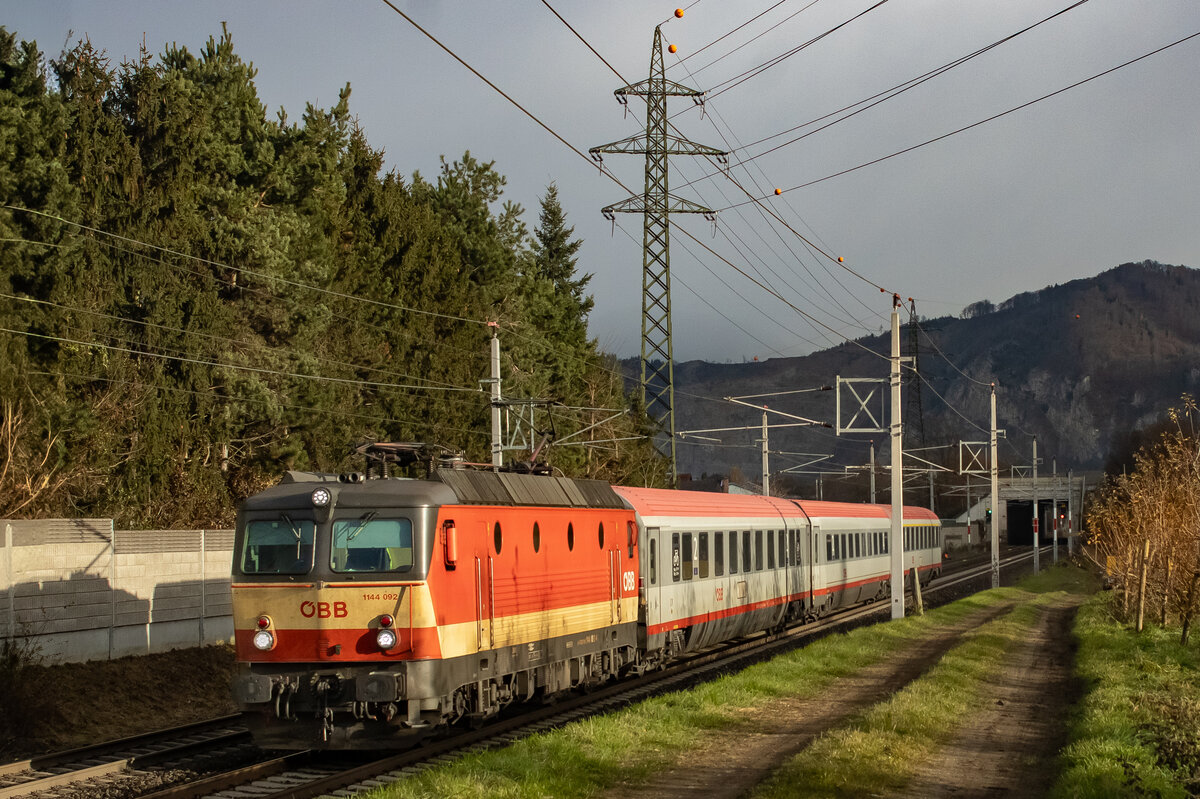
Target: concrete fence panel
(81, 590)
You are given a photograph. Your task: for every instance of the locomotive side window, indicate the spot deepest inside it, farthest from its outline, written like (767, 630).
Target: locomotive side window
(537, 537)
(278, 546)
(497, 538)
(600, 535)
(570, 537)
(703, 555)
(733, 552)
(719, 553)
(371, 545)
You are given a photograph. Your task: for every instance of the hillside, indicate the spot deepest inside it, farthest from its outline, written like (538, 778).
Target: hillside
(1077, 365)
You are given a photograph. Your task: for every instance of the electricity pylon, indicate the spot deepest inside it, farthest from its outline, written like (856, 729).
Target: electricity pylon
(656, 204)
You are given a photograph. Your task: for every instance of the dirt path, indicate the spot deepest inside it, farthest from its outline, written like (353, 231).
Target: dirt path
(1009, 749)
(729, 766)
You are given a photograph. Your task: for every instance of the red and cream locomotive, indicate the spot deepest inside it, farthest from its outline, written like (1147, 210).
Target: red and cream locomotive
(370, 612)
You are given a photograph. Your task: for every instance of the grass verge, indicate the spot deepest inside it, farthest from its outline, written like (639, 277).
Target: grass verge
(1137, 730)
(878, 753)
(585, 758)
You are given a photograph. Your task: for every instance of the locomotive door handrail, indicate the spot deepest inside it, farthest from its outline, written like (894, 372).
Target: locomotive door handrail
(478, 604)
(614, 584)
(491, 601)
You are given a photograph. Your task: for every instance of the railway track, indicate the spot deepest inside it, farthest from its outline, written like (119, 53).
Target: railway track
(113, 762)
(301, 775)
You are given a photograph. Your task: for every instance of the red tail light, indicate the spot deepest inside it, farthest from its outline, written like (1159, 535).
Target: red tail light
(385, 620)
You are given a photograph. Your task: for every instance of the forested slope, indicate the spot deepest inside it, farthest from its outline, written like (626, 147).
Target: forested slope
(195, 296)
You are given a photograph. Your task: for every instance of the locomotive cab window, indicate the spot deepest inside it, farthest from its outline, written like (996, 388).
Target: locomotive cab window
(278, 546)
(371, 545)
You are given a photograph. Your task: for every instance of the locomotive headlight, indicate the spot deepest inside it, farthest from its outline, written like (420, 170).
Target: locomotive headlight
(321, 497)
(263, 640)
(385, 638)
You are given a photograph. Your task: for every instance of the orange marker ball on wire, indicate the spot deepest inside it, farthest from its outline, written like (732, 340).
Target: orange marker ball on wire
(778, 192)
(678, 12)
(672, 48)
(841, 259)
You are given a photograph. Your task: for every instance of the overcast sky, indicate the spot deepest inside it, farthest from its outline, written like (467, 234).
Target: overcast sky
(1105, 173)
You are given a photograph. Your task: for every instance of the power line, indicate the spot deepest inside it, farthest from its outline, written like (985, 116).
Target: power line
(896, 90)
(737, 80)
(256, 401)
(988, 119)
(254, 369)
(220, 339)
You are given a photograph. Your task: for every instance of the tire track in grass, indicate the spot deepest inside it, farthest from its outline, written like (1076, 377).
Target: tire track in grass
(730, 762)
(932, 737)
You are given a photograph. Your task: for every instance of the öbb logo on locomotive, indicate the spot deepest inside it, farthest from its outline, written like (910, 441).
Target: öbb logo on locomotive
(371, 612)
(323, 610)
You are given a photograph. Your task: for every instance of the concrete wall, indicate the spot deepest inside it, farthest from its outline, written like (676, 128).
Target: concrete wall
(82, 591)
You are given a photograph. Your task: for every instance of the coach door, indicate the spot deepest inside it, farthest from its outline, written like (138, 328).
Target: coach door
(652, 571)
(816, 581)
(484, 600)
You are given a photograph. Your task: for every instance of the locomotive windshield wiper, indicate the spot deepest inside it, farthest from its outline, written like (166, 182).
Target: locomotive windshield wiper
(361, 523)
(295, 531)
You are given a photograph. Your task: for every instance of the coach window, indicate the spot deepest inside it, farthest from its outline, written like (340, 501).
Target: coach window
(278, 546)
(703, 555)
(688, 556)
(828, 548)
(600, 535)
(783, 542)
(747, 545)
(758, 551)
(674, 557)
(653, 562)
(845, 547)
(570, 537)
(371, 545)
(770, 549)
(537, 537)
(718, 554)
(858, 545)
(733, 552)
